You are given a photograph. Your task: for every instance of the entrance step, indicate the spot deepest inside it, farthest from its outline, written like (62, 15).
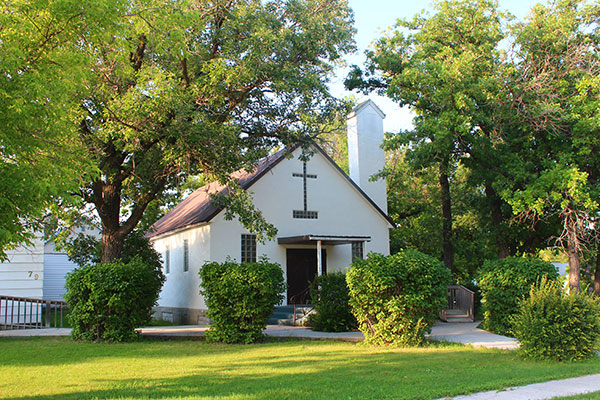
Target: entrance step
(456, 316)
(284, 315)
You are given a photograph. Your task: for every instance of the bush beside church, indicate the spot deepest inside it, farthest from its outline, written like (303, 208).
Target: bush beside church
(240, 298)
(396, 299)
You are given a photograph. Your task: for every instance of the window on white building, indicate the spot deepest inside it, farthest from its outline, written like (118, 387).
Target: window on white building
(248, 248)
(167, 260)
(186, 256)
(357, 251)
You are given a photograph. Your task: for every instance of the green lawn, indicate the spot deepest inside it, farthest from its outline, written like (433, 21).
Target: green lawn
(57, 368)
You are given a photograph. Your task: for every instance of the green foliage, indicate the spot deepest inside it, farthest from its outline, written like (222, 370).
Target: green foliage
(554, 325)
(240, 298)
(41, 159)
(184, 88)
(109, 300)
(86, 249)
(396, 299)
(504, 283)
(330, 297)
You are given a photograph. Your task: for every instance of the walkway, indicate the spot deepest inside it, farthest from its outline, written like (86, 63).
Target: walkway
(539, 391)
(466, 333)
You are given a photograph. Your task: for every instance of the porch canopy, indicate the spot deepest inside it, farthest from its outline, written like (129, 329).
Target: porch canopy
(327, 240)
(320, 240)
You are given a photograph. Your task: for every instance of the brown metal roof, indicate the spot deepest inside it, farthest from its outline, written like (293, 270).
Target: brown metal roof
(199, 206)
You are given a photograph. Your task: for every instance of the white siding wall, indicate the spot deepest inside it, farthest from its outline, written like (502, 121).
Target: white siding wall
(22, 275)
(56, 268)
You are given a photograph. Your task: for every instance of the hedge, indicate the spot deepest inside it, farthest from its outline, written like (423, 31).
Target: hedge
(330, 297)
(109, 300)
(554, 325)
(240, 298)
(504, 283)
(396, 299)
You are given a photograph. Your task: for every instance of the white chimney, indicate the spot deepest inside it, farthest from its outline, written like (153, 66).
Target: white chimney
(365, 155)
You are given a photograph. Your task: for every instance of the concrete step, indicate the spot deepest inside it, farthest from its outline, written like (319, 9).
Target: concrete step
(284, 315)
(276, 321)
(455, 320)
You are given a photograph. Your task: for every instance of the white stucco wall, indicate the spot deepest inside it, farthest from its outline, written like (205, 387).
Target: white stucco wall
(22, 275)
(343, 211)
(181, 288)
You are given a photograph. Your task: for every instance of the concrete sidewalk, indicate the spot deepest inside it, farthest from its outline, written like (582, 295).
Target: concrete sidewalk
(466, 333)
(271, 330)
(539, 391)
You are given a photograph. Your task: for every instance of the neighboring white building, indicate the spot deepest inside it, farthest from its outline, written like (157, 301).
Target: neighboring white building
(314, 205)
(22, 274)
(37, 270)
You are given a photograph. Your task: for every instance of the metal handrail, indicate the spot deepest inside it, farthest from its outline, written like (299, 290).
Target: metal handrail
(303, 295)
(30, 313)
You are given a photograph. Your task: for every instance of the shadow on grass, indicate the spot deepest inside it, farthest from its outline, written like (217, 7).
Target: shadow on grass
(310, 370)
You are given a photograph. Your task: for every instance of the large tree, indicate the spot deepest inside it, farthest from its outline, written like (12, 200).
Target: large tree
(184, 87)
(444, 67)
(556, 93)
(41, 76)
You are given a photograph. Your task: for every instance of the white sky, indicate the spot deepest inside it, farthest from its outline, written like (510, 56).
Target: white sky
(372, 18)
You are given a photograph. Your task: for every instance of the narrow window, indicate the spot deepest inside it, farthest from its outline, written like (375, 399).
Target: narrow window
(167, 260)
(248, 248)
(186, 256)
(357, 251)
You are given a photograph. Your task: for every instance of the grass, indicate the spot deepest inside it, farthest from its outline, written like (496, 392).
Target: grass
(58, 368)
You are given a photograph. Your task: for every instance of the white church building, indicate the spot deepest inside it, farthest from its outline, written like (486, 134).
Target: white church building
(324, 219)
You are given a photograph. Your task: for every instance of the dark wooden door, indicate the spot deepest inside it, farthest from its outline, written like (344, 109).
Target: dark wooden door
(301, 270)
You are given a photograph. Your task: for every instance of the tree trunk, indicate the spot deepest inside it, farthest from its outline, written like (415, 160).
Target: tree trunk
(497, 219)
(447, 248)
(112, 246)
(574, 261)
(597, 275)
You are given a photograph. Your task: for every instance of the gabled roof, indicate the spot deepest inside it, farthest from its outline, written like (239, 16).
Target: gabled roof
(365, 104)
(200, 207)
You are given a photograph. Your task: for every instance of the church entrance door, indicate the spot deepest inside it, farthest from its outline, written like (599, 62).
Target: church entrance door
(301, 270)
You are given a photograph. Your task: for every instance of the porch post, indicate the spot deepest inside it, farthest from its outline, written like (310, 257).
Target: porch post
(319, 261)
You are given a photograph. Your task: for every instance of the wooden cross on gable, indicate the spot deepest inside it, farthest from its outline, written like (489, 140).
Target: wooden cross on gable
(305, 213)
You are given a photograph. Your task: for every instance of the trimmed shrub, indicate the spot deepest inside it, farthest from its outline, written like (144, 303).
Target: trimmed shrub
(504, 283)
(554, 325)
(396, 299)
(330, 298)
(109, 300)
(240, 298)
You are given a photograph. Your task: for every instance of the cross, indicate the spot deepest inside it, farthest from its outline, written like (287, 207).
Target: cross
(304, 177)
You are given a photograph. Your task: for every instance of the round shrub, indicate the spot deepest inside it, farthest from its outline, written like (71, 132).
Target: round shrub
(504, 283)
(554, 325)
(240, 298)
(396, 299)
(330, 298)
(109, 300)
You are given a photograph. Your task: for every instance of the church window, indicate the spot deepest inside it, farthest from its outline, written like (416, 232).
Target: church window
(248, 248)
(186, 256)
(305, 213)
(357, 251)
(167, 260)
